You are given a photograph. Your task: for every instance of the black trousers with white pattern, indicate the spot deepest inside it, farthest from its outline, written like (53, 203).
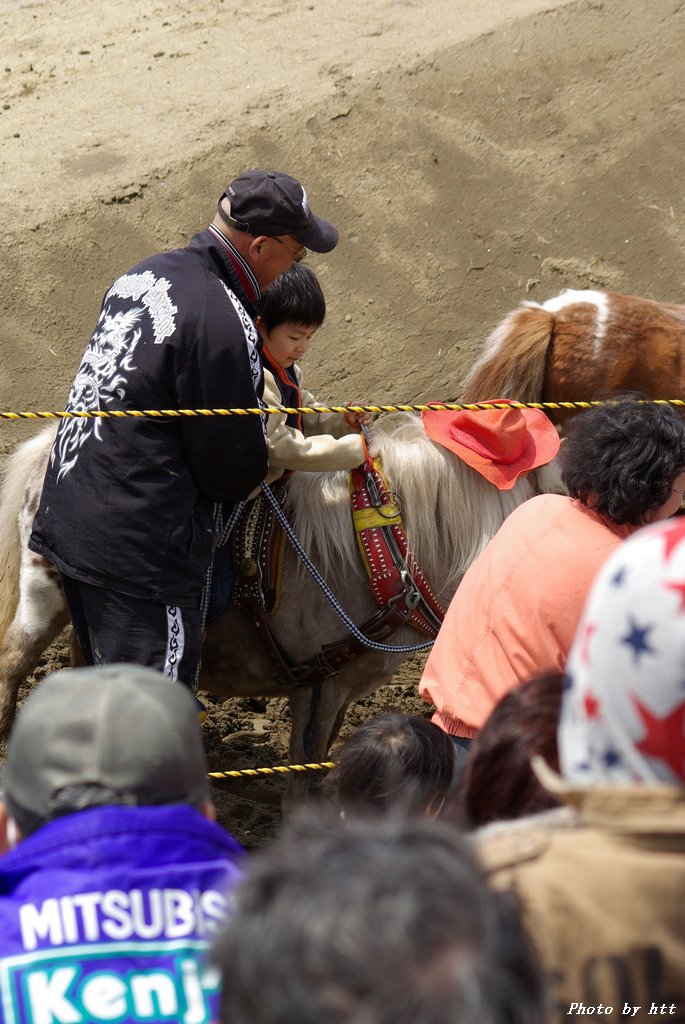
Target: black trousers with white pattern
(112, 627)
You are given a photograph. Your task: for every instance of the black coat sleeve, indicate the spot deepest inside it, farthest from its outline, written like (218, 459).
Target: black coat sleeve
(227, 454)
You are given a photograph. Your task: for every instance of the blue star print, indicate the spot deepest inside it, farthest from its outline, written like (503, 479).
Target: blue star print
(611, 758)
(619, 577)
(637, 639)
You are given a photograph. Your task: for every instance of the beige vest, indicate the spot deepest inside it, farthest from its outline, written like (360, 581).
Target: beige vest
(604, 899)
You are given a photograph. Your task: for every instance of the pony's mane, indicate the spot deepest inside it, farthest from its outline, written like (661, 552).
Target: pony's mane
(449, 510)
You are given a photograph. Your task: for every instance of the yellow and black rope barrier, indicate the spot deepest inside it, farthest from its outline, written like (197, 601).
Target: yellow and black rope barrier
(117, 414)
(276, 770)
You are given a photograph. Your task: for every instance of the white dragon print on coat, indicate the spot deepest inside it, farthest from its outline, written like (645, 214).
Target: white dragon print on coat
(103, 374)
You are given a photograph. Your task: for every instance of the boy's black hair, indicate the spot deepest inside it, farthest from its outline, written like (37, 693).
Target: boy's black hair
(294, 296)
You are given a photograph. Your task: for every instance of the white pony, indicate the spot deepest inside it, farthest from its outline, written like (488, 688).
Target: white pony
(450, 512)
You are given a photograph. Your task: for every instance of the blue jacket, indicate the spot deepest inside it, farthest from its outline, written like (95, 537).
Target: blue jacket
(106, 915)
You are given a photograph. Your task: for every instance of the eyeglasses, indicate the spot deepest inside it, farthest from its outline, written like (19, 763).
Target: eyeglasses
(297, 254)
(678, 491)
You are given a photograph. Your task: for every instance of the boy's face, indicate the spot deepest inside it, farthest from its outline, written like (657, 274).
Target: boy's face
(288, 341)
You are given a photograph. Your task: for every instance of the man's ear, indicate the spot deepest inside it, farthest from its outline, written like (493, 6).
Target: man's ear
(435, 806)
(208, 808)
(255, 246)
(7, 841)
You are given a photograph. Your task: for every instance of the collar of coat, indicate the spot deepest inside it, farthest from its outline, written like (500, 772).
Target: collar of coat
(238, 264)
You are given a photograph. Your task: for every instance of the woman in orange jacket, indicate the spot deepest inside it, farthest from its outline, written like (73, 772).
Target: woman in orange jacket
(517, 608)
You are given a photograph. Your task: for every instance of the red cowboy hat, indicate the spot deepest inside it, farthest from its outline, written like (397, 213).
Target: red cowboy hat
(500, 444)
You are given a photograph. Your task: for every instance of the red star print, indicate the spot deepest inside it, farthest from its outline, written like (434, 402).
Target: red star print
(679, 589)
(665, 737)
(591, 705)
(672, 536)
(588, 633)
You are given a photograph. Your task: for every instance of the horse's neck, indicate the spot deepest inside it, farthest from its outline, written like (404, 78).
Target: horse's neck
(449, 511)
(318, 505)
(448, 538)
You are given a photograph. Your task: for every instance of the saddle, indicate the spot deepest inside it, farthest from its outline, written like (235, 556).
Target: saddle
(257, 546)
(397, 583)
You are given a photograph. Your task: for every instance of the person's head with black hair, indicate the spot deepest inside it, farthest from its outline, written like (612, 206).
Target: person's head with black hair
(379, 920)
(626, 460)
(498, 782)
(289, 314)
(393, 762)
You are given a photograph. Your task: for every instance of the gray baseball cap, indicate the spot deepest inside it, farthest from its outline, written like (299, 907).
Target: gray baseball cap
(124, 727)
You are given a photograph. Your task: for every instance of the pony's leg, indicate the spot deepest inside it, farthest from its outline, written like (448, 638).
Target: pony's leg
(303, 702)
(316, 715)
(41, 614)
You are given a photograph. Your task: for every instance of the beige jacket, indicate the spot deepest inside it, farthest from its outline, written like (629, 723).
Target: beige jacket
(603, 894)
(327, 444)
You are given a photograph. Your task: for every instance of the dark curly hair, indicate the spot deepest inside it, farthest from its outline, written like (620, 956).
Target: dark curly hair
(622, 458)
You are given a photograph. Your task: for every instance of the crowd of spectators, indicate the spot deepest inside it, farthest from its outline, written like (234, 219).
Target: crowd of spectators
(541, 879)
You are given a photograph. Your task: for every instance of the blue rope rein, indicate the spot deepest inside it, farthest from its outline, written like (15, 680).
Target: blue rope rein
(326, 590)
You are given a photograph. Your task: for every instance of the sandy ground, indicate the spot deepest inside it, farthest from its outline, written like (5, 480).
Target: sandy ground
(471, 152)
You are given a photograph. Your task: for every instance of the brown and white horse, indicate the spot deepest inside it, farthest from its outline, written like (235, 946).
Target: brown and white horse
(450, 512)
(583, 346)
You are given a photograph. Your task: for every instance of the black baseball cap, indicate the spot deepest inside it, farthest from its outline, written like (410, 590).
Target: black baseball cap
(273, 203)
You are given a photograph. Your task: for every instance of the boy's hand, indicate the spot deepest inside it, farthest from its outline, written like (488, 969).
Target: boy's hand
(358, 419)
